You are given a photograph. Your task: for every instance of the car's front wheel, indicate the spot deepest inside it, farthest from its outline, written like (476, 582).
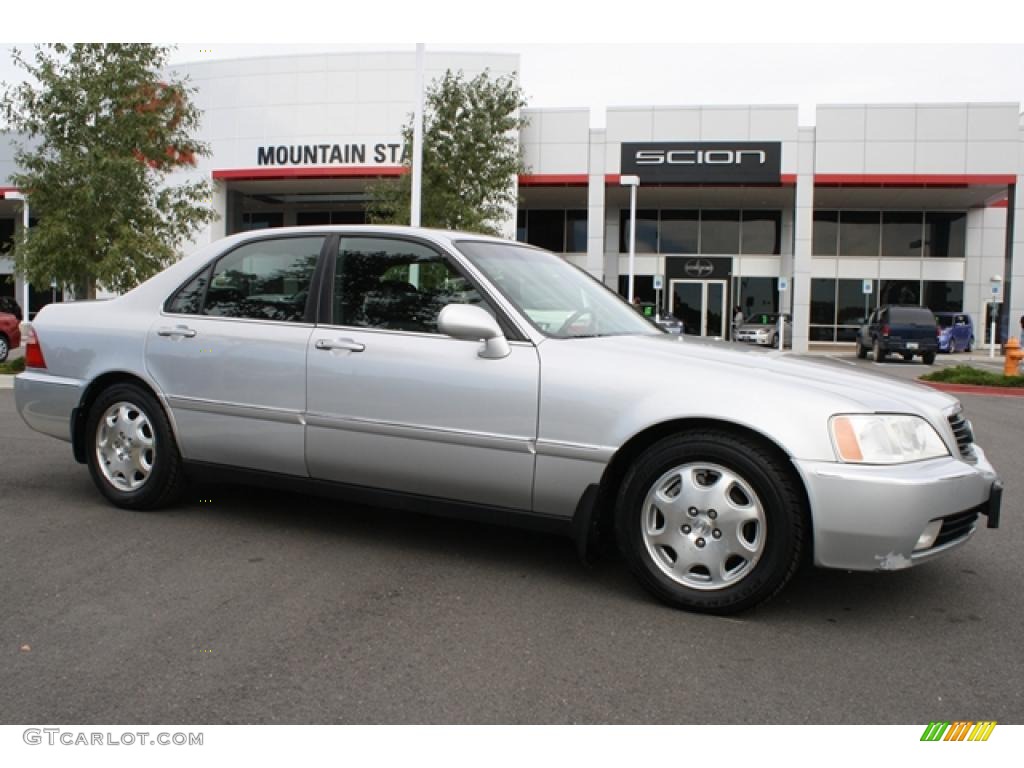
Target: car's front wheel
(5, 348)
(132, 454)
(862, 351)
(709, 522)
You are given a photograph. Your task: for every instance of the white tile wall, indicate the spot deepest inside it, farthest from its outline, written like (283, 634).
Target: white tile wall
(840, 123)
(774, 123)
(566, 127)
(757, 266)
(899, 269)
(888, 156)
(725, 124)
(940, 157)
(993, 122)
(943, 269)
(839, 157)
(630, 125)
(531, 131)
(341, 86)
(890, 123)
(991, 156)
(676, 125)
(562, 158)
(942, 123)
(823, 267)
(857, 269)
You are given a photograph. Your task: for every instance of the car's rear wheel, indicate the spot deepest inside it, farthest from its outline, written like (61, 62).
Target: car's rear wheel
(970, 345)
(907, 358)
(5, 348)
(877, 353)
(709, 522)
(928, 357)
(133, 457)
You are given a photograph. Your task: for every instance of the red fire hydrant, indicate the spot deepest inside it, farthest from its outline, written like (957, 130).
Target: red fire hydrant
(1014, 354)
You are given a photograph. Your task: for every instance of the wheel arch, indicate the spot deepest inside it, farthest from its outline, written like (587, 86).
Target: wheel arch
(620, 462)
(80, 414)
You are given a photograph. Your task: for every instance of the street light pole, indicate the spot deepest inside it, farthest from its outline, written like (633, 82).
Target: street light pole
(633, 182)
(417, 143)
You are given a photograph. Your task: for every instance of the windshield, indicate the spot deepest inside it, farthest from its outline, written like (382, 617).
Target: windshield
(911, 316)
(559, 299)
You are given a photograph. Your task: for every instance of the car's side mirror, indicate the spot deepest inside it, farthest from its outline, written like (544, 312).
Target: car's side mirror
(469, 323)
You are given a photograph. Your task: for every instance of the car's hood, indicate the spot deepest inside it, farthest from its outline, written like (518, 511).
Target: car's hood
(755, 367)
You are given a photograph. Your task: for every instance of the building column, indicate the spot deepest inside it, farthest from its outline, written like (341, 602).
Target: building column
(803, 236)
(1015, 274)
(595, 205)
(219, 203)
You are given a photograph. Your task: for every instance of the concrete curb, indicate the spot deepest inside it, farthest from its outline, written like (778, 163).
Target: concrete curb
(975, 389)
(7, 380)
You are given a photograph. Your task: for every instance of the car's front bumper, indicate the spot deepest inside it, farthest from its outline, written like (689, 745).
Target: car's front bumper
(869, 518)
(751, 338)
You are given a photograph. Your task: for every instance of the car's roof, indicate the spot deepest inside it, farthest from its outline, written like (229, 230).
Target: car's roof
(375, 229)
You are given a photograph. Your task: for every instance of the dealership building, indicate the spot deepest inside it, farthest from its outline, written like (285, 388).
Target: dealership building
(736, 205)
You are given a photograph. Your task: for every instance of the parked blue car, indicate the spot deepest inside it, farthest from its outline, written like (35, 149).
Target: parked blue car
(956, 332)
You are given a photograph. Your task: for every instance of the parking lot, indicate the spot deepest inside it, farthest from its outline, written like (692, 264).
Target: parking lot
(243, 606)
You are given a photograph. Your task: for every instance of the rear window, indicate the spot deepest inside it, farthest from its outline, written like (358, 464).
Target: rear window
(911, 316)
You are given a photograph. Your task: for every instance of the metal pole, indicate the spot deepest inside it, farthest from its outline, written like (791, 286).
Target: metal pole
(632, 238)
(992, 332)
(417, 141)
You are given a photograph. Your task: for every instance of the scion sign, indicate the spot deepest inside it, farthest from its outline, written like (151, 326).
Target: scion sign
(703, 162)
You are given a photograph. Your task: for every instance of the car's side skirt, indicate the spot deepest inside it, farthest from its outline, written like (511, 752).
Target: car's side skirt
(358, 494)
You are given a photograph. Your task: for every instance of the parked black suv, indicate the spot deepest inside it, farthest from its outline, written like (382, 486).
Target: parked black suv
(905, 330)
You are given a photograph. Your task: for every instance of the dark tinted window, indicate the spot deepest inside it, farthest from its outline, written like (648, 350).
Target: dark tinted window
(189, 299)
(823, 301)
(646, 231)
(395, 285)
(546, 229)
(859, 233)
(901, 233)
(945, 235)
(826, 233)
(264, 280)
(680, 231)
(852, 305)
(575, 231)
(944, 295)
(899, 292)
(911, 315)
(761, 232)
(720, 232)
(251, 221)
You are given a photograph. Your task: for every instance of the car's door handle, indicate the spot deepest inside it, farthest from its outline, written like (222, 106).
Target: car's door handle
(348, 344)
(178, 330)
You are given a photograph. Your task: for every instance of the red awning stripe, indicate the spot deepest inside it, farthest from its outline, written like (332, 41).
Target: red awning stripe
(913, 179)
(335, 172)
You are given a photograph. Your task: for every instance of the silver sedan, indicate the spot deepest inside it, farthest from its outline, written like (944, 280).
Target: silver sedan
(476, 377)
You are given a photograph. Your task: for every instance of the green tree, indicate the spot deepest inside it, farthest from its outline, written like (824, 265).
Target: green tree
(470, 156)
(98, 130)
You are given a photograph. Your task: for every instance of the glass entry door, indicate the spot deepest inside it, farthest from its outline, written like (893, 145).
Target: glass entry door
(700, 304)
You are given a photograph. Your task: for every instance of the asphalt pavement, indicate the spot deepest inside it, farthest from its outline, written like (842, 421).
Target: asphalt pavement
(244, 606)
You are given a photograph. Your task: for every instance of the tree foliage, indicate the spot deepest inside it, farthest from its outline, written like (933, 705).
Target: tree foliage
(98, 133)
(471, 156)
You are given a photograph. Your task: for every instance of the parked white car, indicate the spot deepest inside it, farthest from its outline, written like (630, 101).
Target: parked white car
(476, 377)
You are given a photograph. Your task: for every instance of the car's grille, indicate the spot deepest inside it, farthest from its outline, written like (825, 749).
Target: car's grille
(957, 526)
(962, 432)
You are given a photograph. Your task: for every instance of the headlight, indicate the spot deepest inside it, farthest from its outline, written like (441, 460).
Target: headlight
(885, 438)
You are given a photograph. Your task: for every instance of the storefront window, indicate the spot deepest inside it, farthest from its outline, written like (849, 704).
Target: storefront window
(859, 233)
(902, 233)
(944, 295)
(546, 229)
(757, 294)
(646, 231)
(852, 305)
(945, 235)
(760, 232)
(899, 292)
(823, 301)
(679, 231)
(575, 231)
(826, 233)
(720, 232)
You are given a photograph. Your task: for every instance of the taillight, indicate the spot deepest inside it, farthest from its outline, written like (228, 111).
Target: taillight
(33, 352)
(885, 330)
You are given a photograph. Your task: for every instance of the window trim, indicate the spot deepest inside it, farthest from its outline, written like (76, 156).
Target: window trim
(312, 300)
(324, 316)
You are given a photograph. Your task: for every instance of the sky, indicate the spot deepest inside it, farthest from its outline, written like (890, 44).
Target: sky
(584, 54)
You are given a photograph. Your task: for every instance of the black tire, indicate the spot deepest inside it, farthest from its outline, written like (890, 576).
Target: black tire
(165, 478)
(970, 345)
(907, 358)
(5, 348)
(862, 351)
(929, 358)
(775, 491)
(877, 354)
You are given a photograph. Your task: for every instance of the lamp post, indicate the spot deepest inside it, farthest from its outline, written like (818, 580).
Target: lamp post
(417, 143)
(24, 220)
(997, 298)
(633, 182)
